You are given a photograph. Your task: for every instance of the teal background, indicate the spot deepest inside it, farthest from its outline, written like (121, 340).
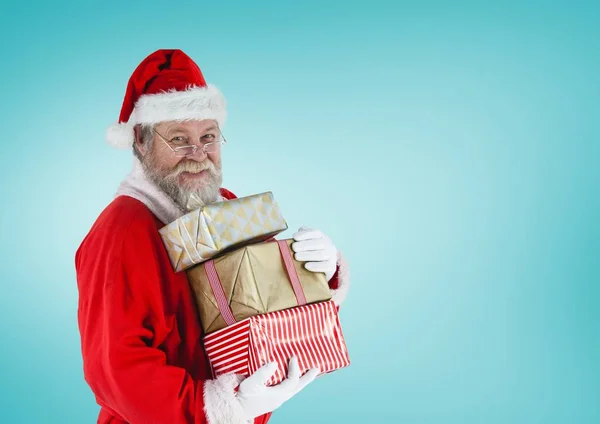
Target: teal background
(450, 149)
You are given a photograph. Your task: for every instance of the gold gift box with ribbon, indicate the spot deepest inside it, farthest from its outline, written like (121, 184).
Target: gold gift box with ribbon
(253, 280)
(222, 226)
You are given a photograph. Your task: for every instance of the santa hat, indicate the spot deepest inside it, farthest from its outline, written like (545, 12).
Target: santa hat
(166, 86)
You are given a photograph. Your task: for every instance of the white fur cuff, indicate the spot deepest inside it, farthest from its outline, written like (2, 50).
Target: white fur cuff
(339, 294)
(220, 403)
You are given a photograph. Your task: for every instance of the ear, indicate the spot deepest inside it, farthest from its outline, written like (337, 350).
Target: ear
(139, 143)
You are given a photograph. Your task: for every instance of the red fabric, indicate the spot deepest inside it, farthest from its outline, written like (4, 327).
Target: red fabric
(334, 283)
(163, 70)
(311, 332)
(141, 339)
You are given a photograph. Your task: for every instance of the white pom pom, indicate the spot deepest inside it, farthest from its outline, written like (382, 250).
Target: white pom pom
(120, 135)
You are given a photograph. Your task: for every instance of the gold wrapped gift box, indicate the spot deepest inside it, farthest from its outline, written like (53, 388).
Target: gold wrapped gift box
(254, 281)
(222, 226)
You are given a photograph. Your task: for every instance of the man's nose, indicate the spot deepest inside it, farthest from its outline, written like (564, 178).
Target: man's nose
(199, 154)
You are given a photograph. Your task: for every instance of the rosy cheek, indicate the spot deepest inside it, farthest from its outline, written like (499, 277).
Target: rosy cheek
(167, 161)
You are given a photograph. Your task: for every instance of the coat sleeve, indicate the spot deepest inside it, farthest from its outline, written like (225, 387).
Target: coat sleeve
(123, 322)
(340, 282)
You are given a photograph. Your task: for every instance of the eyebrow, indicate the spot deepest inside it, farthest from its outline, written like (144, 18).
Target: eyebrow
(212, 127)
(176, 128)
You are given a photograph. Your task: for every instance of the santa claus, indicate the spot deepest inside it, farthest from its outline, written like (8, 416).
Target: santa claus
(140, 333)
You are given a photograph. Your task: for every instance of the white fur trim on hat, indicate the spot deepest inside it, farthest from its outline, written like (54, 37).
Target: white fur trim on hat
(120, 135)
(195, 103)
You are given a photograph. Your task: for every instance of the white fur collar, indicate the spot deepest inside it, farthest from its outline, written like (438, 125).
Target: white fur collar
(137, 185)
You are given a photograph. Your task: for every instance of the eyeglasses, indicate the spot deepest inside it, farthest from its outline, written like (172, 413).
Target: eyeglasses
(184, 148)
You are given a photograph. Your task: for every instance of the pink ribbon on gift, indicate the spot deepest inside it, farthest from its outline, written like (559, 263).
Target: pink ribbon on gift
(291, 272)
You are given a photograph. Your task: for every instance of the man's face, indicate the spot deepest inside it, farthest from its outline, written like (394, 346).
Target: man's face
(180, 177)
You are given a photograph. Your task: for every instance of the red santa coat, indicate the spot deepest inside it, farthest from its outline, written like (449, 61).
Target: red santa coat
(141, 337)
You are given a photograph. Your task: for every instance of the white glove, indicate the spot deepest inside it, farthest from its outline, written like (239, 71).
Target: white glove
(317, 249)
(257, 399)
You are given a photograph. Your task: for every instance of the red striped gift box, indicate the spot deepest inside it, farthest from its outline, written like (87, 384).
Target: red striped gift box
(312, 333)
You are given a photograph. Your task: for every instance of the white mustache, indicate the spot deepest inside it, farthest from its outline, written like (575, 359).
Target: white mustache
(193, 166)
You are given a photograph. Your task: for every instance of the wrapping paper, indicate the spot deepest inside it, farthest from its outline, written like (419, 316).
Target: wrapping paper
(222, 226)
(254, 280)
(312, 333)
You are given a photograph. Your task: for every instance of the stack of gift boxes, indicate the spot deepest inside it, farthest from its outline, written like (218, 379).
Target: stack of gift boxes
(256, 303)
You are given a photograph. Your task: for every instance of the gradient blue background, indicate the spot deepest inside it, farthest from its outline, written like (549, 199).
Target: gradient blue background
(450, 149)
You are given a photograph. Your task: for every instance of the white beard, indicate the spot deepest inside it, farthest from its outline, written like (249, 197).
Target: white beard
(139, 186)
(186, 199)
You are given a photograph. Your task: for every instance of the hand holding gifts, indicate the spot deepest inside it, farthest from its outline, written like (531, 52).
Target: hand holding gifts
(258, 305)
(256, 302)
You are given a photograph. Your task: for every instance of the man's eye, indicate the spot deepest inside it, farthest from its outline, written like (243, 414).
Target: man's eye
(179, 140)
(208, 136)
